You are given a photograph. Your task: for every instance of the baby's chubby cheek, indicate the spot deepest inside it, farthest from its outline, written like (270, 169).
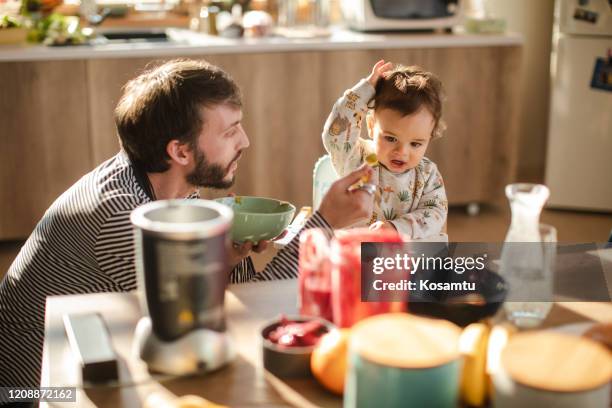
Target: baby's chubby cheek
(385, 157)
(382, 154)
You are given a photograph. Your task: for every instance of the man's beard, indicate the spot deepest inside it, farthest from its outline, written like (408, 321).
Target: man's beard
(210, 175)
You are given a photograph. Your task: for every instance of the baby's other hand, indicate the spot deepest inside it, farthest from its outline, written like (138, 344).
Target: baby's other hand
(379, 70)
(382, 225)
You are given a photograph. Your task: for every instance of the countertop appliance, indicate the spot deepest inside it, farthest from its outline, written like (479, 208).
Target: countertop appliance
(182, 268)
(394, 15)
(579, 157)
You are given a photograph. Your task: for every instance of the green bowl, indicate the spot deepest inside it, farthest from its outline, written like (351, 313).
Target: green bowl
(258, 218)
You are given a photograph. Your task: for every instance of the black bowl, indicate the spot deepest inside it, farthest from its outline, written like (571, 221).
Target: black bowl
(460, 307)
(288, 362)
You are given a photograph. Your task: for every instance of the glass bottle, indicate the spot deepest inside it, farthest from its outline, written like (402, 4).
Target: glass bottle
(304, 14)
(314, 296)
(345, 256)
(527, 260)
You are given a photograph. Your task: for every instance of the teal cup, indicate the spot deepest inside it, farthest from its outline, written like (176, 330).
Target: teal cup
(258, 218)
(402, 368)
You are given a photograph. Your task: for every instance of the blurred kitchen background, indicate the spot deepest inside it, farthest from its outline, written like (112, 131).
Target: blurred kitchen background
(528, 87)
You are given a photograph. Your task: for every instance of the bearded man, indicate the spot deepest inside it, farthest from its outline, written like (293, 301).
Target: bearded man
(180, 129)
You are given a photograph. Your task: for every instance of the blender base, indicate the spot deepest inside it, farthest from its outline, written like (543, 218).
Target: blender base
(198, 351)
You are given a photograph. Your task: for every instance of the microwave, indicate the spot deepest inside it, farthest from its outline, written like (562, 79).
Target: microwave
(396, 15)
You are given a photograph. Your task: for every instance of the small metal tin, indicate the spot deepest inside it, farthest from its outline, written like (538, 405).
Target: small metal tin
(288, 362)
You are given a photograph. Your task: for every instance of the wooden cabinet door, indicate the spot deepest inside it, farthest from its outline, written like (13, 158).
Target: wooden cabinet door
(43, 138)
(476, 154)
(282, 118)
(105, 80)
(57, 121)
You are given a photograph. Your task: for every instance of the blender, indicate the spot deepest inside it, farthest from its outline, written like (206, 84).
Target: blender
(182, 269)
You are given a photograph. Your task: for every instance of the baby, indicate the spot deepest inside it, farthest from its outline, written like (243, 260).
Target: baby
(405, 117)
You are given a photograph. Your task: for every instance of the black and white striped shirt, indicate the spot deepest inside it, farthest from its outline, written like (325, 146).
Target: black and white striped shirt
(84, 244)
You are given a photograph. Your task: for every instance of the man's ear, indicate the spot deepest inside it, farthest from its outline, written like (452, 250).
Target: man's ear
(179, 152)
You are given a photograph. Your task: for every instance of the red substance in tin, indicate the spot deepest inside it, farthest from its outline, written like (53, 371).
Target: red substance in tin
(297, 334)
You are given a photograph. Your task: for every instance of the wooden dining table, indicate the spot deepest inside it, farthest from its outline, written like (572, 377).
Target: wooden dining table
(243, 382)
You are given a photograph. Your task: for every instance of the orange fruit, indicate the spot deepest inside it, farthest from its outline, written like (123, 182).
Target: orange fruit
(328, 360)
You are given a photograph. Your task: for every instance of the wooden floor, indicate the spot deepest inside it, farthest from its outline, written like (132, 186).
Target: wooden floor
(490, 225)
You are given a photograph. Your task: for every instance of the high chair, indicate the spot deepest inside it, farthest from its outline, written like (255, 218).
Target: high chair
(323, 176)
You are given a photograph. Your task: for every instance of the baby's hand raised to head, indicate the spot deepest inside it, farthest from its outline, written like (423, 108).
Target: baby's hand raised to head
(379, 70)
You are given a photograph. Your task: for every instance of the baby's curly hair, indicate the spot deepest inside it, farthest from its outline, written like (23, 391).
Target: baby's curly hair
(407, 89)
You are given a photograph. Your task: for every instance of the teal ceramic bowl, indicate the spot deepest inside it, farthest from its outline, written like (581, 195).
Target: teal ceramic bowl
(398, 360)
(258, 218)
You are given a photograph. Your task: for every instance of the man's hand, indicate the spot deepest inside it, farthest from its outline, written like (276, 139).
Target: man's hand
(238, 251)
(379, 70)
(341, 207)
(241, 250)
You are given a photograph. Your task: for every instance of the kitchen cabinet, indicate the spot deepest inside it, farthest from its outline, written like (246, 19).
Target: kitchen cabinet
(44, 138)
(283, 118)
(57, 119)
(476, 156)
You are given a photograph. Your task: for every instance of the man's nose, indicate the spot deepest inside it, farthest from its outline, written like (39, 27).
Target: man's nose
(244, 139)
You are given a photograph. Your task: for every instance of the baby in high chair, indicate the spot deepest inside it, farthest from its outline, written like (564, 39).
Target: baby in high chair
(405, 110)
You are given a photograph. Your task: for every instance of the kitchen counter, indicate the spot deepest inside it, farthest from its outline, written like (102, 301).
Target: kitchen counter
(187, 43)
(242, 383)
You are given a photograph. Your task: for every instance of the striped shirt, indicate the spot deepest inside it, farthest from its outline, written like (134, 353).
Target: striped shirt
(84, 244)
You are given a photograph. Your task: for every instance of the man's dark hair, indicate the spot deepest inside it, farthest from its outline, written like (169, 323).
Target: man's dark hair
(407, 89)
(164, 103)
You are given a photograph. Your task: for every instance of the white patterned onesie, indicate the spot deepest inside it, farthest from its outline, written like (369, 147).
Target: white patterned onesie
(414, 201)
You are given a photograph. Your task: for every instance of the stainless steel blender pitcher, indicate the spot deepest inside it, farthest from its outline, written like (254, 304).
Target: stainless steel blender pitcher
(182, 268)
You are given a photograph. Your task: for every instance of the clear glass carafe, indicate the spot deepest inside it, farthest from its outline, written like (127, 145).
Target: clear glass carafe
(528, 255)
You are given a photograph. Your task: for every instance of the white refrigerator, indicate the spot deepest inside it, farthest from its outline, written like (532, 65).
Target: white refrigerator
(579, 154)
